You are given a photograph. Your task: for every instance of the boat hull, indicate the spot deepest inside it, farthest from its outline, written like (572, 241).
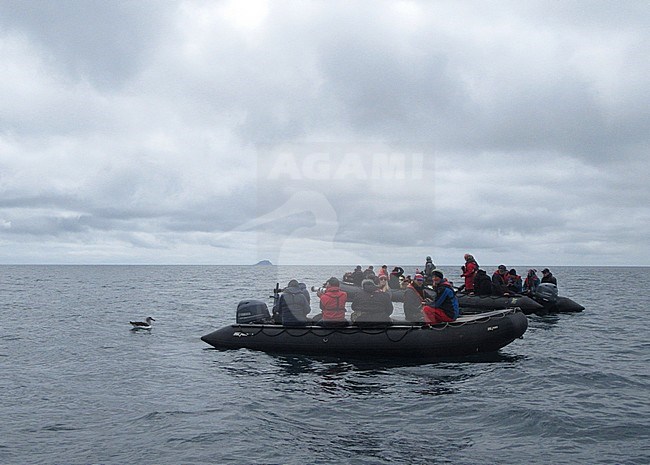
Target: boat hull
(472, 304)
(561, 305)
(469, 335)
(476, 303)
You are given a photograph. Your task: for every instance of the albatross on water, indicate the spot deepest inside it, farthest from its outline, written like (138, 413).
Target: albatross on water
(146, 324)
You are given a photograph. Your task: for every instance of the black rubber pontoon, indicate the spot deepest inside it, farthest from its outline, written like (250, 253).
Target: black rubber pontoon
(544, 301)
(472, 334)
(479, 303)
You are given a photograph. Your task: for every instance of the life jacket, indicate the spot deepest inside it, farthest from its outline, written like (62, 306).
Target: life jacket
(445, 282)
(471, 268)
(514, 283)
(531, 282)
(332, 303)
(500, 278)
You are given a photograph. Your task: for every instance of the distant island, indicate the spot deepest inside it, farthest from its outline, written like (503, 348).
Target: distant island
(264, 263)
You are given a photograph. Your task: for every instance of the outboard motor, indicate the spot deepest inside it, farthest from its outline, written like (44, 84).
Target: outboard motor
(253, 311)
(546, 292)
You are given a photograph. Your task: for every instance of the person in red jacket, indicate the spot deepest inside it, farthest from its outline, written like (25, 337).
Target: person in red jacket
(469, 272)
(332, 304)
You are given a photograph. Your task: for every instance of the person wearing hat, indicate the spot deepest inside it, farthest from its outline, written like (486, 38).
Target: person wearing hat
(428, 271)
(332, 304)
(293, 307)
(445, 306)
(369, 272)
(394, 278)
(482, 283)
(413, 299)
(357, 276)
(514, 282)
(382, 282)
(469, 270)
(500, 281)
(547, 277)
(371, 306)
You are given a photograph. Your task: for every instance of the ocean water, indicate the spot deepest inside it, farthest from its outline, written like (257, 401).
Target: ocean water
(77, 386)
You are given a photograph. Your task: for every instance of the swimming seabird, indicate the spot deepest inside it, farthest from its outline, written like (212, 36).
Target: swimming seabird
(146, 324)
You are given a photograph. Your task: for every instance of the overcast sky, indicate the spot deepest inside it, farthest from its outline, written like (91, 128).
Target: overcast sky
(352, 132)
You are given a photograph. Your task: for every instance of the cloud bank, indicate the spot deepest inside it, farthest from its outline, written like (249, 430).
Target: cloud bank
(324, 132)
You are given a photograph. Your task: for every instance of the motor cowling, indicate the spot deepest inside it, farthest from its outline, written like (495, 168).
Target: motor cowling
(546, 292)
(252, 311)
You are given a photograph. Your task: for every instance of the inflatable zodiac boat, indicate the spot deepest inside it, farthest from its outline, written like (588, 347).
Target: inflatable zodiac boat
(545, 300)
(470, 303)
(471, 334)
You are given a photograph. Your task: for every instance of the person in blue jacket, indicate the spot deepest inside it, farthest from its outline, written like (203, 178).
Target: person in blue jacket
(445, 307)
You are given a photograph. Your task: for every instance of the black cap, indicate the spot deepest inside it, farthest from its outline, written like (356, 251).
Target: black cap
(546, 270)
(334, 281)
(503, 268)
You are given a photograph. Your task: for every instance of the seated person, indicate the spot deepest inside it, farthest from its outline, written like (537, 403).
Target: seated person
(383, 284)
(396, 277)
(482, 283)
(369, 272)
(547, 277)
(499, 281)
(445, 307)
(413, 299)
(531, 282)
(514, 282)
(371, 306)
(357, 276)
(332, 305)
(293, 307)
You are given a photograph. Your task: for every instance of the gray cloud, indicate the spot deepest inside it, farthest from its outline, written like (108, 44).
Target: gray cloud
(105, 42)
(154, 132)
